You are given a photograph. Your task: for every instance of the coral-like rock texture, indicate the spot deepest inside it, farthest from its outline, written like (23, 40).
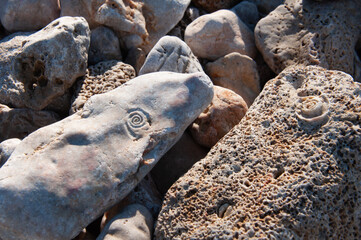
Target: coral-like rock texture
(290, 170)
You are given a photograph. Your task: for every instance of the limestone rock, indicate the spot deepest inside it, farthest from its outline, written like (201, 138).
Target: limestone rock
(173, 55)
(20, 122)
(177, 161)
(312, 33)
(238, 73)
(7, 147)
(28, 15)
(33, 73)
(214, 5)
(100, 78)
(214, 35)
(104, 46)
(247, 12)
(226, 110)
(134, 222)
(289, 170)
(65, 175)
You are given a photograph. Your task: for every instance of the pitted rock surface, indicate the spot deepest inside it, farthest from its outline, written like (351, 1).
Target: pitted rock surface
(312, 33)
(100, 78)
(290, 170)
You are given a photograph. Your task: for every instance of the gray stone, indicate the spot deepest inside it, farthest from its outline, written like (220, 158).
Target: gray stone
(133, 222)
(7, 147)
(28, 15)
(289, 170)
(173, 55)
(33, 73)
(247, 12)
(64, 176)
(104, 46)
(136, 58)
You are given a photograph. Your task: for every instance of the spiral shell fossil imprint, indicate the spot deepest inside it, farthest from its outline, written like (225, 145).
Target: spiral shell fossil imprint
(313, 109)
(138, 122)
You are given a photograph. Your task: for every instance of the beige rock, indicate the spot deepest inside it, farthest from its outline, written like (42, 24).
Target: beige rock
(7, 147)
(311, 33)
(212, 36)
(289, 170)
(100, 78)
(238, 73)
(28, 15)
(225, 111)
(20, 122)
(214, 5)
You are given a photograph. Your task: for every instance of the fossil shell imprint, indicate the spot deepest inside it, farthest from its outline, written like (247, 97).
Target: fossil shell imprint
(313, 109)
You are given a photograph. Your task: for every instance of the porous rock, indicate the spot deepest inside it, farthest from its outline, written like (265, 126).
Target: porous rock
(173, 55)
(238, 73)
(289, 170)
(311, 33)
(65, 175)
(225, 111)
(28, 15)
(214, 35)
(20, 122)
(104, 46)
(33, 73)
(214, 5)
(7, 147)
(100, 78)
(133, 222)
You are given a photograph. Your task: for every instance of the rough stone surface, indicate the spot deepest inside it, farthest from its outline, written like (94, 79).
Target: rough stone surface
(173, 55)
(104, 46)
(20, 122)
(133, 222)
(28, 15)
(214, 35)
(214, 5)
(65, 175)
(290, 169)
(7, 147)
(238, 73)
(247, 12)
(226, 110)
(100, 78)
(177, 161)
(312, 33)
(33, 73)
(138, 23)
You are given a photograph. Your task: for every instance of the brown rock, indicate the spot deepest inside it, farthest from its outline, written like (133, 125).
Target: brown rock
(225, 111)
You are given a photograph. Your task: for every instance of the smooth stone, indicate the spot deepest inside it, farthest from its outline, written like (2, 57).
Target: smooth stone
(7, 147)
(20, 122)
(226, 110)
(104, 46)
(248, 13)
(311, 33)
(173, 55)
(289, 170)
(243, 79)
(100, 78)
(28, 15)
(33, 73)
(214, 5)
(214, 35)
(65, 175)
(133, 222)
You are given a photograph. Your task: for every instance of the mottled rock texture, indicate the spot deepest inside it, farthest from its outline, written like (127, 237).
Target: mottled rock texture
(173, 55)
(214, 5)
(290, 170)
(7, 147)
(33, 73)
(100, 78)
(67, 174)
(225, 111)
(28, 15)
(312, 33)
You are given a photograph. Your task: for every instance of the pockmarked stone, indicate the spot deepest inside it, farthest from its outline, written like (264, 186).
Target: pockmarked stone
(28, 15)
(289, 170)
(67, 174)
(100, 78)
(311, 33)
(7, 147)
(214, 5)
(226, 110)
(20, 122)
(33, 73)
(173, 55)
(238, 73)
(214, 35)
(133, 222)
